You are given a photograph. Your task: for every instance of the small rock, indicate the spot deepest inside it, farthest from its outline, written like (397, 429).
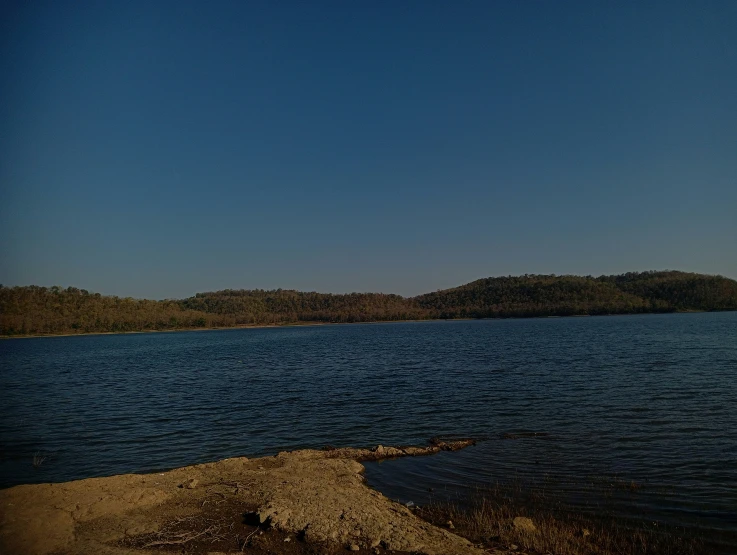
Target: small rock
(354, 547)
(190, 484)
(449, 524)
(524, 524)
(379, 449)
(513, 547)
(287, 539)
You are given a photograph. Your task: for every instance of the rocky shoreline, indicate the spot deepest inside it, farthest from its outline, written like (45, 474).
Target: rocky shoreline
(307, 501)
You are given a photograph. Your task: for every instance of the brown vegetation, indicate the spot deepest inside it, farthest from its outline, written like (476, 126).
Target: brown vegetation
(497, 521)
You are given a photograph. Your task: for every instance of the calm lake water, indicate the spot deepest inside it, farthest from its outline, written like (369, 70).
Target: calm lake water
(646, 400)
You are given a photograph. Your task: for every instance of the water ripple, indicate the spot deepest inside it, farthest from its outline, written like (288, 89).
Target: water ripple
(645, 400)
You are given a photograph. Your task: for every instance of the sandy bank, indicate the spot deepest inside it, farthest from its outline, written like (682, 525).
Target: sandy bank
(295, 502)
(306, 324)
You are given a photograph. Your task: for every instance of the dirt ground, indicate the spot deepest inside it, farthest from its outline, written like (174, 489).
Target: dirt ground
(301, 502)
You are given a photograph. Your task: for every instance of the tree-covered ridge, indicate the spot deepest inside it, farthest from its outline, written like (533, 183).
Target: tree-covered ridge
(259, 306)
(42, 310)
(54, 310)
(533, 295)
(679, 290)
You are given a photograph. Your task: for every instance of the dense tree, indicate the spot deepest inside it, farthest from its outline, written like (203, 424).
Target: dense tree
(678, 290)
(54, 310)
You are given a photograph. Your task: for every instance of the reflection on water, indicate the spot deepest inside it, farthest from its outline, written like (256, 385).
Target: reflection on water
(646, 400)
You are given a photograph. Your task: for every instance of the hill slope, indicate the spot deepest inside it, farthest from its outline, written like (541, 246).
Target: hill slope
(535, 295)
(40, 310)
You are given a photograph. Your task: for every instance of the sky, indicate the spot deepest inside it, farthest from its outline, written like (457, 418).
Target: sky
(158, 149)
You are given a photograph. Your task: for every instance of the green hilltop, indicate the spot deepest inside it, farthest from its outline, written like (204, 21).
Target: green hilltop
(34, 310)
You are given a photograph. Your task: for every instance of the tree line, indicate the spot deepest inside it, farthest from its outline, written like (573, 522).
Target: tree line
(34, 310)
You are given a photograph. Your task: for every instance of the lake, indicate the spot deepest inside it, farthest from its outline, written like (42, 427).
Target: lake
(644, 407)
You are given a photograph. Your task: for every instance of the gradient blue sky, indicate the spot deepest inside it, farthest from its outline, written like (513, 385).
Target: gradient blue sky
(156, 149)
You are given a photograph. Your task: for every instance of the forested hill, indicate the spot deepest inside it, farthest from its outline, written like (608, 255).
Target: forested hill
(40, 310)
(534, 295)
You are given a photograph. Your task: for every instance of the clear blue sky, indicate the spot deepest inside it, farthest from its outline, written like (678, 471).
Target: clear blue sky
(156, 149)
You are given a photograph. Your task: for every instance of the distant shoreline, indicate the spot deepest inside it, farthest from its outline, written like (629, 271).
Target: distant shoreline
(33, 311)
(239, 327)
(314, 324)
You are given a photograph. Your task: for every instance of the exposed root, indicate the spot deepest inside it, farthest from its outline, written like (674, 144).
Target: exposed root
(180, 531)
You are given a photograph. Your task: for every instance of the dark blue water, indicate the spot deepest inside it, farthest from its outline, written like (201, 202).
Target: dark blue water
(649, 400)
